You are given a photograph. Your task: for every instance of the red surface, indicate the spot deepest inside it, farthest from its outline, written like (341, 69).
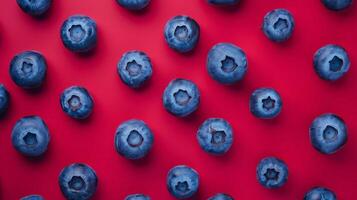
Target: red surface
(286, 67)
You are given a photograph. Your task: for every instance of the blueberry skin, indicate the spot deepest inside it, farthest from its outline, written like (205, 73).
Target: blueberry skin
(4, 99)
(182, 33)
(78, 181)
(77, 102)
(331, 62)
(32, 197)
(318, 193)
(30, 136)
(28, 69)
(181, 97)
(134, 4)
(227, 63)
(79, 33)
(272, 172)
(133, 139)
(134, 68)
(328, 133)
(34, 8)
(215, 136)
(137, 197)
(278, 25)
(223, 2)
(182, 182)
(265, 103)
(337, 5)
(221, 196)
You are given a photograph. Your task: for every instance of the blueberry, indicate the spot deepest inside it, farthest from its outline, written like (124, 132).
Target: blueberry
(181, 97)
(182, 182)
(79, 33)
(221, 196)
(265, 103)
(133, 139)
(331, 62)
(227, 63)
(272, 172)
(215, 136)
(32, 197)
(278, 25)
(4, 99)
(28, 69)
(77, 102)
(134, 68)
(223, 2)
(34, 7)
(320, 193)
(78, 181)
(30, 136)
(137, 197)
(337, 4)
(182, 33)
(328, 133)
(134, 4)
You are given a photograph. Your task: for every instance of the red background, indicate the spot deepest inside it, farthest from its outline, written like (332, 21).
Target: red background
(286, 67)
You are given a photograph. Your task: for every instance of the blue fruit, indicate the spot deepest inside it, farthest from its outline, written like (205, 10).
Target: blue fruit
(337, 4)
(4, 99)
(137, 197)
(265, 103)
(182, 33)
(272, 172)
(134, 68)
(331, 62)
(227, 63)
(320, 193)
(77, 102)
(182, 182)
(223, 2)
(221, 196)
(28, 69)
(32, 197)
(30, 136)
(181, 97)
(328, 133)
(278, 25)
(133, 139)
(215, 136)
(134, 4)
(79, 33)
(34, 7)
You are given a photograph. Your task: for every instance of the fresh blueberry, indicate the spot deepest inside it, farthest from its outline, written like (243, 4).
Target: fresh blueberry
(78, 181)
(4, 99)
(337, 4)
(137, 197)
(223, 2)
(331, 62)
(77, 102)
(182, 33)
(134, 4)
(227, 63)
(221, 196)
(215, 136)
(320, 193)
(34, 7)
(32, 197)
(79, 33)
(328, 133)
(265, 103)
(133, 139)
(134, 68)
(28, 69)
(272, 172)
(278, 25)
(182, 182)
(181, 97)
(30, 136)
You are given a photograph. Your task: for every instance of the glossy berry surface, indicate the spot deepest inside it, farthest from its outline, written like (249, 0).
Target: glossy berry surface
(137, 197)
(265, 103)
(34, 7)
(272, 172)
(76, 102)
(337, 5)
(318, 193)
(221, 196)
(224, 2)
(4, 99)
(182, 182)
(278, 25)
(32, 197)
(134, 4)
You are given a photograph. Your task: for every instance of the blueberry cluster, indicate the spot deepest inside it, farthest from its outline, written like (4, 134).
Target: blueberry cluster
(226, 64)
